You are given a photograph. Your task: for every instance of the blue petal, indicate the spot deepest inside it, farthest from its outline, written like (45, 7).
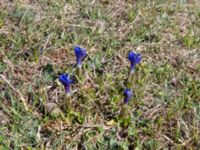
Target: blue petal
(80, 52)
(65, 79)
(131, 56)
(134, 58)
(127, 95)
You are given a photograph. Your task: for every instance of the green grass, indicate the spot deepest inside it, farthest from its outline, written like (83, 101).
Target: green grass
(36, 45)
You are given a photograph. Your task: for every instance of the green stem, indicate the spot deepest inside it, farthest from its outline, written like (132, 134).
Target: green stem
(79, 71)
(68, 102)
(130, 80)
(124, 111)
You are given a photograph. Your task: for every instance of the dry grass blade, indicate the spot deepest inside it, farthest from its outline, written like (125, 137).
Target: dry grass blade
(16, 91)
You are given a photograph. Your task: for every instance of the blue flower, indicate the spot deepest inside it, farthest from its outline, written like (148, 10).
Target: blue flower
(127, 95)
(66, 81)
(80, 54)
(134, 59)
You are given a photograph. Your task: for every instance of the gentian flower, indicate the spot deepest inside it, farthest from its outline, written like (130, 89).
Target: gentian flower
(134, 59)
(80, 54)
(127, 95)
(66, 81)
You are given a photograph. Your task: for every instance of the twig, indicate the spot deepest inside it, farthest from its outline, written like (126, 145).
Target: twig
(167, 138)
(46, 43)
(16, 91)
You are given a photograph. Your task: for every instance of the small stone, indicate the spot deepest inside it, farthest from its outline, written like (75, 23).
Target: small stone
(53, 109)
